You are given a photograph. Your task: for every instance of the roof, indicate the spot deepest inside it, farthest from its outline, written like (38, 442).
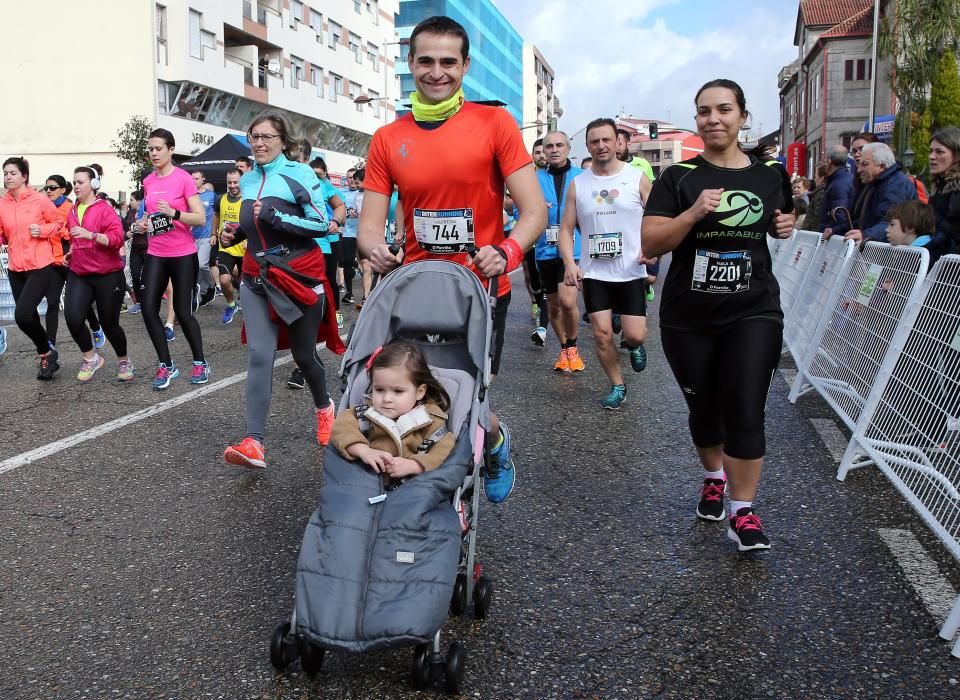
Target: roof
(818, 13)
(858, 23)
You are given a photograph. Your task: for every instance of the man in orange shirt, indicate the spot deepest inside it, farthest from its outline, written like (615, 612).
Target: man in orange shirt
(451, 161)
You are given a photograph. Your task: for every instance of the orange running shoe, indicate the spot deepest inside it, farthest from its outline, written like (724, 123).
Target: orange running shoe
(563, 363)
(325, 418)
(574, 360)
(248, 454)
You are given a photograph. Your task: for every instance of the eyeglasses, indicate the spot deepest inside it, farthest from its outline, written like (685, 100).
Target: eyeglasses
(857, 151)
(265, 138)
(51, 188)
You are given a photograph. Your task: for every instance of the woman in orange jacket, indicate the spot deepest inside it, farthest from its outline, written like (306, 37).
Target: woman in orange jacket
(29, 225)
(58, 191)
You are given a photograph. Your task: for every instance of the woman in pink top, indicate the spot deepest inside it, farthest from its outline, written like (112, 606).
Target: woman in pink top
(29, 225)
(172, 206)
(96, 274)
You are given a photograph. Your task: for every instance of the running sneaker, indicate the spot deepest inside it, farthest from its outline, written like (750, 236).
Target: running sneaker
(711, 500)
(361, 303)
(534, 311)
(651, 294)
(563, 362)
(218, 293)
(133, 309)
(165, 375)
(48, 365)
(168, 331)
(296, 380)
(347, 299)
(746, 530)
(207, 297)
(200, 374)
(339, 320)
(228, 314)
(124, 371)
(3, 340)
(99, 338)
(325, 418)
(539, 336)
(574, 360)
(88, 368)
(638, 358)
(617, 395)
(501, 475)
(248, 454)
(617, 325)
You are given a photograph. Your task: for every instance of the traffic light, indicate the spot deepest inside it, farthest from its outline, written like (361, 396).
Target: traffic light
(654, 130)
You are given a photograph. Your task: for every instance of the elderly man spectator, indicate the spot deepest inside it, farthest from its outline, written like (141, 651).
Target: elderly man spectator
(838, 187)
(885, 185)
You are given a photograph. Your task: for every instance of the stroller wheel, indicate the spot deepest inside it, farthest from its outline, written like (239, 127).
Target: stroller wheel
(283, 651)
(482, 597)
(311, 657)
(453, 672)
(421, 672)
(458, 603)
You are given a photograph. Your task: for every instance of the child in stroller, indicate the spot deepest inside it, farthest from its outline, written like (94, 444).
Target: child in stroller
(403, 431)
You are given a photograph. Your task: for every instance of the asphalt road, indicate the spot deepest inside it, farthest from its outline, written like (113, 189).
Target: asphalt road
(137, 564)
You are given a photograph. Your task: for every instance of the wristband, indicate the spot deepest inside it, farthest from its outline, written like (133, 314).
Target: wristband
(176, 215)
(512, 252)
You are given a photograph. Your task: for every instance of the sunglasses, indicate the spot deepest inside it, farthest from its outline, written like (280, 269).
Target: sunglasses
(856, 151)
(51, 188)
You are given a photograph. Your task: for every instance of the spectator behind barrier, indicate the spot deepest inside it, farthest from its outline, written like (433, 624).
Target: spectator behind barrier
(913, 223)
(838, 187)
(885, 185)
(811, 222)
(945, 199)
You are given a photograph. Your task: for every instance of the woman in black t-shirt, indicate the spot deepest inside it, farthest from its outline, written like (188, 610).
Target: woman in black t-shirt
(721, 324)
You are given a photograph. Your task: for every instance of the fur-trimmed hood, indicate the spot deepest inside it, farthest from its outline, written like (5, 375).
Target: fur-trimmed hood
(949, 182)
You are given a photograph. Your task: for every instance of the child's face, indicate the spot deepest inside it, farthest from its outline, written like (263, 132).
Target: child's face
(393, 393)
(897, 236)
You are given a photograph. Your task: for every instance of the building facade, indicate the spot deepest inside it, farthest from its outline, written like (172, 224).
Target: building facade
(825, 92)
(496, 50)
(541, 107)
(202, 69)
(671, 145)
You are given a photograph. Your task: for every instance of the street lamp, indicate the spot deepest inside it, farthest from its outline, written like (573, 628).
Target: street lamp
(909, 156)
(366, 99)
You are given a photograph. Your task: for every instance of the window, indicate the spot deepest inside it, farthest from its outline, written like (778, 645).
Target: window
(337, 86)
(375, 103)
(373, 9)
(161, 35)
(373, 55)
(357, 6)
(196, 48)
(316, 24)
(316, 77)
(354, 94)
(336, 31)
(296, 71)
(355, 47)
(857, 69)
(166, 96)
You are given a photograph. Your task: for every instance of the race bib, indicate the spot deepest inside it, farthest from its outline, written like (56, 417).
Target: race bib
(158, 224)
(606, 245)
(553, 232)
(444, 231)
(722, 273)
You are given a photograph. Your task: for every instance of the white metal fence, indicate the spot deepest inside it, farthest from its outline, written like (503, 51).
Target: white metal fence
(879, 340)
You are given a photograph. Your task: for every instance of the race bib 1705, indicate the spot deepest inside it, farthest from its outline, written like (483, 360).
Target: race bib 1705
(722, 272)
(444, 231)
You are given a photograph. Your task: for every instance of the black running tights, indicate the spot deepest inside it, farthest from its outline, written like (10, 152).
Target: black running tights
(182, 271)
(725, 378)
(29, 288)
(57, 280)
(107, 291)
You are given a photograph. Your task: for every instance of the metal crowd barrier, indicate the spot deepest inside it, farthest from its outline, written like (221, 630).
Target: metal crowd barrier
(794, 261)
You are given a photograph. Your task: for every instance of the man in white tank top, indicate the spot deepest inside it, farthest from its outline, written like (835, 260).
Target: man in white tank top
(606, 202)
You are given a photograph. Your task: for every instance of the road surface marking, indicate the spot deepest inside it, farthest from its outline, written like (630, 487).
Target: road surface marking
(921, 571)
(833, 438)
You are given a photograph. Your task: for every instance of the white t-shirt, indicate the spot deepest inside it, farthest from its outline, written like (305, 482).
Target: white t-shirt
(609, 212)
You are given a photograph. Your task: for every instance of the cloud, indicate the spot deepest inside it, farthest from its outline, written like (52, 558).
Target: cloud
(643, 60)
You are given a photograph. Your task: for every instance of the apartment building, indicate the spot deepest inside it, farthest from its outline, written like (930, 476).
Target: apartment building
(200, 68)
(541, 107)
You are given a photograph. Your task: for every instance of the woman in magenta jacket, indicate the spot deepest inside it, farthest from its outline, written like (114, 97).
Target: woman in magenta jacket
(96, 274)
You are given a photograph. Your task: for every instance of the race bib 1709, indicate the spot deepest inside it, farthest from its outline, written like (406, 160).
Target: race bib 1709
(444, 231)
(722, 272)
(606, 245)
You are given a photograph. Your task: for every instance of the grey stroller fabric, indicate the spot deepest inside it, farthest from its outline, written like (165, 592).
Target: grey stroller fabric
(374, 576)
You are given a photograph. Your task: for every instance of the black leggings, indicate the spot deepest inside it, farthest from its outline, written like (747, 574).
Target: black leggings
(332, 261)
(107, 291)
(137, 260)
(57, 281)
(182, 271)
(725, 378)
(348, 261)
(29, 288)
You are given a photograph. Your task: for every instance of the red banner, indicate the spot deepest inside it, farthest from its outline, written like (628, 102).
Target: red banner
(797, 159)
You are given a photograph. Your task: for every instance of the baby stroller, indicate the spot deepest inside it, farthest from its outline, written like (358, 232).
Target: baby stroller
(380, 569)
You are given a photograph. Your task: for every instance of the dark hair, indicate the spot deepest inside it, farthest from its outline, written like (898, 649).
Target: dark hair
(360, 174)
(319, 162)
(823, 170)
(624, 133)
(585, 161)
(306, 149)
(799, 206)
(290, 140)
(538, 142)
(194, 172)
(62, 182)
(402, 353)
(21, 164)
(597, 123)
(231, 171)
(94, 170)
(442, 26)
(914, 215)
(163, 134)
(137, 195)
(760, 151)
(245, 159)
(867, 136)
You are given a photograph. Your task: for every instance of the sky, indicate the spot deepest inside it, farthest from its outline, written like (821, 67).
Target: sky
(647, 58)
